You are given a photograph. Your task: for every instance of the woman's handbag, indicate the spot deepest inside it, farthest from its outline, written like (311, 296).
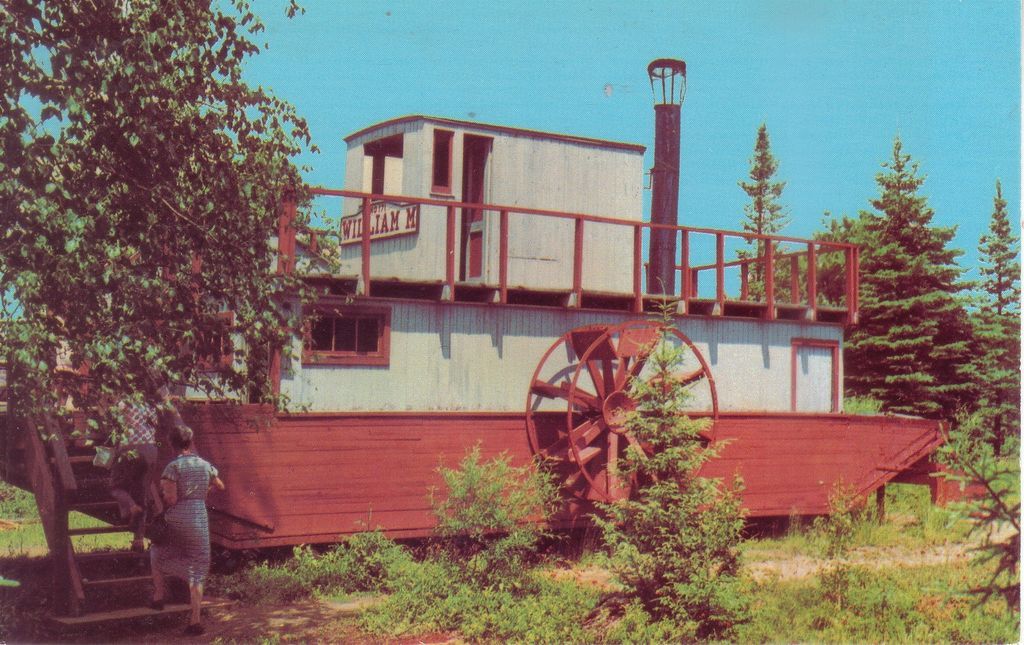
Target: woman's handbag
(104, 457)
(157, 530)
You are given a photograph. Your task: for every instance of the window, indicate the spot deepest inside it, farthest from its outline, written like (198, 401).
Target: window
(214, 348)
(347, 336)
(442, 182)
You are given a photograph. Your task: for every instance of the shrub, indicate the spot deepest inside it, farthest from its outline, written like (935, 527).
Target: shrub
(490, 522)
(264, 583)
(674, 543)
(839, 527)
(363, 562)
(862, 405)
(424, 602)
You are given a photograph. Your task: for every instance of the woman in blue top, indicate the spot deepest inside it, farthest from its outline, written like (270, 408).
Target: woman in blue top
(186, 552)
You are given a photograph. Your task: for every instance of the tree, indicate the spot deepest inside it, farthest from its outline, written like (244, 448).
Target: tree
(764, 214)
(140, 182)
(997, 327)
(912, 348)
(993, 506)
(674, 543)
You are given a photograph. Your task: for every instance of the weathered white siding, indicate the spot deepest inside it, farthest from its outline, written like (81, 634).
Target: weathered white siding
(524, 169)
(475, 357)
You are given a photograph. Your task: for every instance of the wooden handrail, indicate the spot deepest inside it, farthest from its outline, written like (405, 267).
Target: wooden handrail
(521, 210)
(690, 274)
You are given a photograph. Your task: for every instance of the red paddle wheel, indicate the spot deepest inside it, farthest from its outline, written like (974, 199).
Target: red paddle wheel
(579, 400)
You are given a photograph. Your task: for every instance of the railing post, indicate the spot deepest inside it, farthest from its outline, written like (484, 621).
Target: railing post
(852, 261)
(812, 281)
(638, 298)
(448, 292)
(794, 279)
(502, 257)
(719, 273)
(286, 234)
(365, 248)
(769, 279)
(577, 264)
(684, 269)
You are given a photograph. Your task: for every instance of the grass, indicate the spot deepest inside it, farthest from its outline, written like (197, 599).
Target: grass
(856, 604)
(23, 532)
(911, 521)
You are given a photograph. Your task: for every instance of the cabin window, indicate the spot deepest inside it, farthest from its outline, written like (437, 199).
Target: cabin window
(383, 165)
(815, 375)
(442, 182)
(343, 336)
(215, 349)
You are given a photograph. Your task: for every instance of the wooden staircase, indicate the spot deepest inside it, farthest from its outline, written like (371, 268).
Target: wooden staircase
(58, 469)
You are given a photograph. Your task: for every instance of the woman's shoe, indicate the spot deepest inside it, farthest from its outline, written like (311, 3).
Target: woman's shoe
(194, 630)
(156, 605)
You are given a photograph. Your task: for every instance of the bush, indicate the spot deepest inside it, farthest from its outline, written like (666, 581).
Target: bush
(424, 601)
(674, 544)
(491, 520)
(264, 583)
(363, 562)
(839, 527)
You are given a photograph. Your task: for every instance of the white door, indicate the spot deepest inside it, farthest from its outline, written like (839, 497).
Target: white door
(814, 378)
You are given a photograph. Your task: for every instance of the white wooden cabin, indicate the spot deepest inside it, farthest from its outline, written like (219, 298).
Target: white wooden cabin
(446, 159)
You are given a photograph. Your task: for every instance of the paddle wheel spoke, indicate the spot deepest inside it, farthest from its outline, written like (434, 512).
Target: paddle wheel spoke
(608, 370)
(586, 432)
(614, 480)
(597, 378)
(561, 391)
(638, 365)
(690, 378)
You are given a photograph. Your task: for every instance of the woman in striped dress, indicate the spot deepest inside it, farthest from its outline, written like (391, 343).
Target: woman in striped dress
(185, 553)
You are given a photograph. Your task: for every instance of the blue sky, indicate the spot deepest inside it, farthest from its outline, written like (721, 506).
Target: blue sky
(833, 80)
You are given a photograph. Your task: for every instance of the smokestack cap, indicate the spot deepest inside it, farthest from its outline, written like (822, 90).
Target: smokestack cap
(670, 75)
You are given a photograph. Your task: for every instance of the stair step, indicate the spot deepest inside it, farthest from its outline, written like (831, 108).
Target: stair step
(132, 613)
(94, 483)
(101, 556)
(109, 582)
(84, 507)
(99, 530)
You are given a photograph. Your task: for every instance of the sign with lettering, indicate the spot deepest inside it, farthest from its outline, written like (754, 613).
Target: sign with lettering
(386, 220)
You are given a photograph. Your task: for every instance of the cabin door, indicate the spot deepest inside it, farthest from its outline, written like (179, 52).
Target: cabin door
(475, 151)
(815, 376)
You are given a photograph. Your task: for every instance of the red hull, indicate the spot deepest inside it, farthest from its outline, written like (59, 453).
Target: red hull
(307, 478)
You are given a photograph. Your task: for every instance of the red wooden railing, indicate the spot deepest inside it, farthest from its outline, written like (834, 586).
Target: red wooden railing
(803, 274)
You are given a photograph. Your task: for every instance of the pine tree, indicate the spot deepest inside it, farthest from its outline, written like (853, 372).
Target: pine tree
(997, 326)
(912, 348)
(764, 214)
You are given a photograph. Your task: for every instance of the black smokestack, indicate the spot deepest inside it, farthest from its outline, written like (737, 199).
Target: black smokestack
(668, 83)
